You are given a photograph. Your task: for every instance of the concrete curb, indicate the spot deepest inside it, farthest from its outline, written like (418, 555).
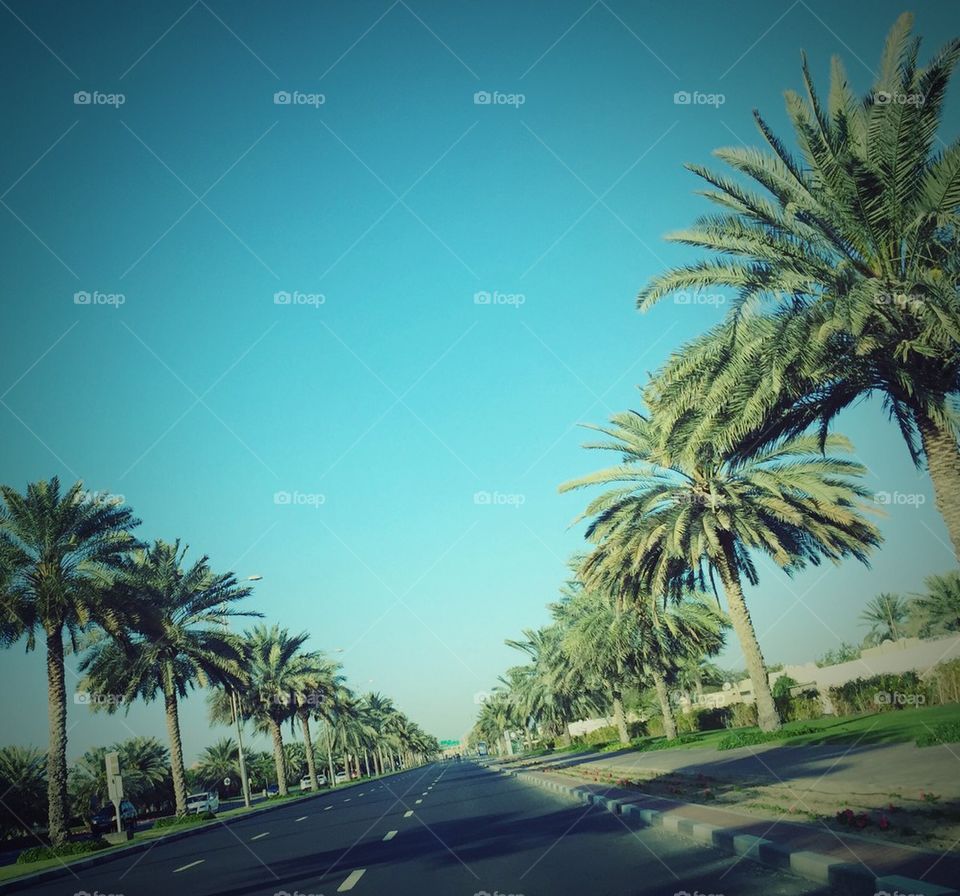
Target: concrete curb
(847, 878)
(68, 867)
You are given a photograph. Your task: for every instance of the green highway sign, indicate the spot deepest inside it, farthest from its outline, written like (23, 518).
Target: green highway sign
(449, 743)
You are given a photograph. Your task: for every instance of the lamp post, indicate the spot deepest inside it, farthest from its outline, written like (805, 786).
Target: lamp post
(244, 783)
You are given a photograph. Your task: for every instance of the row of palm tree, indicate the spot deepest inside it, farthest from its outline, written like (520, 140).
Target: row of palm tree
(929, 614)
(841, 263)
(149, 625)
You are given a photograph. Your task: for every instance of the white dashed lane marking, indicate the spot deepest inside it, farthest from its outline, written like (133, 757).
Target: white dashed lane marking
(389, 835)
(191, 865)
(417, 802)
(351, 880)
(260, 836)
(408, 813)
(302, 818)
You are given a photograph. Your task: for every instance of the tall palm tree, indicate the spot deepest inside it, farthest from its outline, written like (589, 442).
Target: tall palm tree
(887, 616)
(853, 247)
(182, 642)
(668, 519)
(275, 669)
(60, 552)
(318, 681)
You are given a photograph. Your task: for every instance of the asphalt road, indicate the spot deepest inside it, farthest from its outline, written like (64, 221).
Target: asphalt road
(452, 828)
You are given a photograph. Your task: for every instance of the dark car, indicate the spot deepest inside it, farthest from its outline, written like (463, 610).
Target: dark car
(104, 819)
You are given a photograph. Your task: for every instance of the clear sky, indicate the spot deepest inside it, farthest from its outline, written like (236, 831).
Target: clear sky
(383, 396)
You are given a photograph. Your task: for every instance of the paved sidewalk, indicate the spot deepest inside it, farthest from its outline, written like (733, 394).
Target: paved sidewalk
(855, 864)
(865, 770)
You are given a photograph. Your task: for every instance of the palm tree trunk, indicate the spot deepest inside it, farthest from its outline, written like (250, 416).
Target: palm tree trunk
(943, 462)
(366, 761)
(379, 756)
(279, 760)
(57, 809)
(663, 695)
(308, 744)
(767, 716)
(619, 716)
(177, 771)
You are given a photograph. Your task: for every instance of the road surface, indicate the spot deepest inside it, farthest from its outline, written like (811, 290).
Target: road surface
(453, 828)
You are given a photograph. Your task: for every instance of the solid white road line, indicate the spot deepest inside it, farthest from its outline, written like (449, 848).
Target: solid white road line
(185, 867)
(302, 818)
(351, 881)
(389, 835)
(261, 836)
(408, 813)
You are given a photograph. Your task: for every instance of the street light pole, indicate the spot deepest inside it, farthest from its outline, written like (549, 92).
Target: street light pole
(244, 784)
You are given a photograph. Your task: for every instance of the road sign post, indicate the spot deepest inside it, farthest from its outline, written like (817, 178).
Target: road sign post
(114, 785)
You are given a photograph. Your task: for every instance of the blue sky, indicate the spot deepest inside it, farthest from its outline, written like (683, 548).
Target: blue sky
(383, 397)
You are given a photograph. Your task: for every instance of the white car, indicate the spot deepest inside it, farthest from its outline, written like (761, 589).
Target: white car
(207, 801)
(341, 778)
(305, 781)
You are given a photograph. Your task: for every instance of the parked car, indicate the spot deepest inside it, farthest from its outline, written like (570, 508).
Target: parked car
(272, 790)
(305, 782)
(341, 778)
(205, 801)
(104, 819)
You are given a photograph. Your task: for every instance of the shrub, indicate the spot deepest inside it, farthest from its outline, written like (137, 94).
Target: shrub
(39, 853)
(750, 738)
(800, 707)
(742, 715)
(879, 693)
(944, 680)
(944, 733)
(783, 686)
(703, 719)
(655, 727)
(175, 821)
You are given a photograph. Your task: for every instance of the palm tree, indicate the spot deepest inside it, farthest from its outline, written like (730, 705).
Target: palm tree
(886, 614)
(318, 681)
(275, 671)
(854, 248)
(23, 783)
(668, 518)
(60, 552)
(938, 610)
(219, 761)
(144, 766)
(183, 640)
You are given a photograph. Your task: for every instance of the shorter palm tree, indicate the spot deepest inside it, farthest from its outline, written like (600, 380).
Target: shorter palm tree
(887, 616)
(218, 762)
(938, 609)
(23, 785)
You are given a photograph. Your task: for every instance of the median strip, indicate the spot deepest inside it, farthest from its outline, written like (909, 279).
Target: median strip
(191, 865)
(351, 880)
